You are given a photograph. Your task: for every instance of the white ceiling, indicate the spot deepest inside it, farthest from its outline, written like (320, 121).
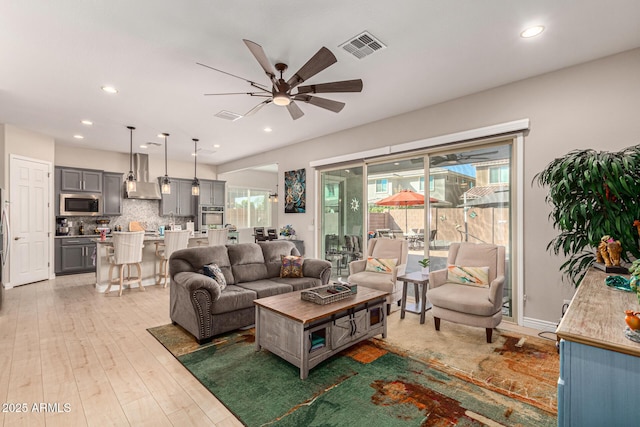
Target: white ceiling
(55, 56)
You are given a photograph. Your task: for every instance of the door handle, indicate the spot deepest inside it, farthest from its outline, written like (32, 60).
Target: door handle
(18, 238)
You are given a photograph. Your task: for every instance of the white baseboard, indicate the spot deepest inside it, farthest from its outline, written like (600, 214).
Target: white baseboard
(541, 325)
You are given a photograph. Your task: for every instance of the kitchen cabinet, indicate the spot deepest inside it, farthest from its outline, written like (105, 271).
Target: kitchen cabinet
(74, 255)
(212, 192)
(80, 180)
(180, 202)
(112, 187)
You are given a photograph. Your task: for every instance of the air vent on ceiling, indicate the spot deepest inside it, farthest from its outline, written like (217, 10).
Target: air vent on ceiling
(228, 115)
(362, 45)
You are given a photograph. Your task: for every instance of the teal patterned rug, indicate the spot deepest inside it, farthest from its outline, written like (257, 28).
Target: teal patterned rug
(366, 385)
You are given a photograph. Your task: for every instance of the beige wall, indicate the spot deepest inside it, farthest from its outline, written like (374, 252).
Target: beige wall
(593, 105)
(25, 143)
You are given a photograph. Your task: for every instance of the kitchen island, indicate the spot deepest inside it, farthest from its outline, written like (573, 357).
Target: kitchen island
(149, 264)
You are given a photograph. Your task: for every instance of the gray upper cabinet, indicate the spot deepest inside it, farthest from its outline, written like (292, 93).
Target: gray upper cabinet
(212, 192)
(180, 202)
(80, 180)
(112, 193)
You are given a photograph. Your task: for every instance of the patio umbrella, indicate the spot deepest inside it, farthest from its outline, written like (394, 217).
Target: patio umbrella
(405, 198)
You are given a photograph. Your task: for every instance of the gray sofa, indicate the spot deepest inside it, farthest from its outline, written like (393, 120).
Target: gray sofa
(251, 270)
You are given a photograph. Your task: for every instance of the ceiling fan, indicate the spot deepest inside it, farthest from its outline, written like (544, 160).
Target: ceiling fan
(280, 92)
(454, 158)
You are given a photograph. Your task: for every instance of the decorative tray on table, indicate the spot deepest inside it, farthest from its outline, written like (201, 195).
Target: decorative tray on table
(329, 293)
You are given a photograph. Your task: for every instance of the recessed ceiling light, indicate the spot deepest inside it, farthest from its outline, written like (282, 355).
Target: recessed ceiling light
(109, 89)
(78, 136)
(397, 164)
(532, 32)
(216, 145)
(87, 122)
(143, 146)
(194, 154)
(160, 135)
(268, 129)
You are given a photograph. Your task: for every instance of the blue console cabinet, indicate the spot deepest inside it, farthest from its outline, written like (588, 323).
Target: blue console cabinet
(599, 367)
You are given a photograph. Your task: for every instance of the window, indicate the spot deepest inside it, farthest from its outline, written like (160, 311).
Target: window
(248, 207)
(421, 184)
(499, 175)
(381, 185)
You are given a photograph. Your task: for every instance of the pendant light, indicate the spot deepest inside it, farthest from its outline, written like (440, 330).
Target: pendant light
(273, 197)
(165, 188)
(131, 178)
(195, 184)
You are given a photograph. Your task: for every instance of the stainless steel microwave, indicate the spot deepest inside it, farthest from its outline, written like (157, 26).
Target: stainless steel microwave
(80, 204)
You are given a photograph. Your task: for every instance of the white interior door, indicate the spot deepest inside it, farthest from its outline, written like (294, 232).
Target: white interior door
(29, 215)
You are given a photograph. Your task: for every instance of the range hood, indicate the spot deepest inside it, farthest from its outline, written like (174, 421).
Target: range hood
(144, 188)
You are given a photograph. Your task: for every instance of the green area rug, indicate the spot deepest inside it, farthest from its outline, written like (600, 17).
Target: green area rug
(368, 384)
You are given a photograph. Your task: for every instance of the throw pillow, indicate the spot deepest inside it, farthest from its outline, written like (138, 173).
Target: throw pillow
(381, 265)
(291, 266)
(213, 271)
(474, 276)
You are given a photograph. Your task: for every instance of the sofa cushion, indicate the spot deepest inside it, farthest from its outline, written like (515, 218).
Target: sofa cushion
(233, 298)
(194, 259)
(247, 262)
(273, 251)
(472, 276)
(299, 283)
(266, 288)
(291, 266)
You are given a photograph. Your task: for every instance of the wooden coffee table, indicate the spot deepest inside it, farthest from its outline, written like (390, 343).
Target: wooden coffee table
(305, 334)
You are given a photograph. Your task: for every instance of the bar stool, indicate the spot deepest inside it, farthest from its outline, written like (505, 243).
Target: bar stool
(173, 241)
(126, 250)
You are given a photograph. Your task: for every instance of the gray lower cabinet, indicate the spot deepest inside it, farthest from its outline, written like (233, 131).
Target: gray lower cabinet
(74, 255)
(112, 188)
(179, 202)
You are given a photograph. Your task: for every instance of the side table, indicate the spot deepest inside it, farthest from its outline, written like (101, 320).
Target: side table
(420, 284)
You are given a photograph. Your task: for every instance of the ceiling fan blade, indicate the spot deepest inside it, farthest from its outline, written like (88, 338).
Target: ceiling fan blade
(333, 87)
(327, 104)
(238, 93)
(321, 60)
(257, 108)
(252, 83)
(260, 55)
(294, 110)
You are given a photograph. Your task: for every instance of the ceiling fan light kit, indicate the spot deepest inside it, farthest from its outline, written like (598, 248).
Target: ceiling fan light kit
(281, 91)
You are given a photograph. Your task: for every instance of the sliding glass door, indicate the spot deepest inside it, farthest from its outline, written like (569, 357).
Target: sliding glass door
(473, 188)
(431, 199)
(341, 218)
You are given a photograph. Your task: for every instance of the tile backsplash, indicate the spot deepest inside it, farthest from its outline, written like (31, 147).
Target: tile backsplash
(144, 211)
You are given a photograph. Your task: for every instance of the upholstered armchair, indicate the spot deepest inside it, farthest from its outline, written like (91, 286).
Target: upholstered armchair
(459, 293)
(382, 249)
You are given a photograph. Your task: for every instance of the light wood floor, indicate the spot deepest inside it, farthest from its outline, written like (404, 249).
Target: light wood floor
(62, 342)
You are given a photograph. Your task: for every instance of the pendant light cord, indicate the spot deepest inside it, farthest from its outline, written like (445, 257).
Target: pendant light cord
(165, 153)
(131, 128)
(195, 158)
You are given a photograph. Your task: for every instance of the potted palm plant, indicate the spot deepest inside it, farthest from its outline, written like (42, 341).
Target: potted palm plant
(592, 194)
(425, 266)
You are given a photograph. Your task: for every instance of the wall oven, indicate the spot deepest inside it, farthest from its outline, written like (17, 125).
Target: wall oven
(210, 215)
(80, 204)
